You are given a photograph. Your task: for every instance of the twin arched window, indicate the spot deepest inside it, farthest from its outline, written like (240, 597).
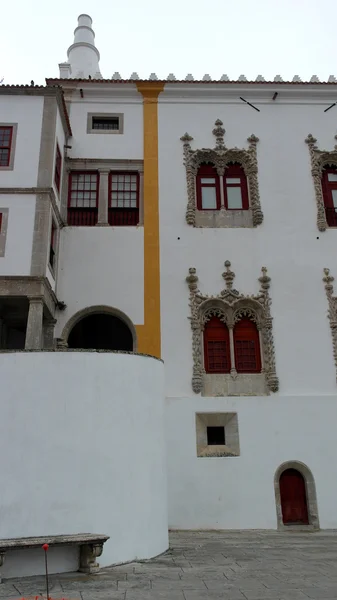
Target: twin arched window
(217, 347)
(329, 189)
(210, 186)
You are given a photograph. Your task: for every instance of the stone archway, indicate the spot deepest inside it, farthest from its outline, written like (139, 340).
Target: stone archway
(99, 310)
(310, 493)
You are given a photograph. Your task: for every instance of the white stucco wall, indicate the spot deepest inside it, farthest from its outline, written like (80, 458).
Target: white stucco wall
(298, 422)
(86, 434)
(238, 492)
(287, 243)
(101, 266)
(26, 111)
(19, 239)
(128, 145)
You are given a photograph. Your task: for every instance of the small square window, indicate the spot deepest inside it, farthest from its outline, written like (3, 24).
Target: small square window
(215, 436)
(106, 123)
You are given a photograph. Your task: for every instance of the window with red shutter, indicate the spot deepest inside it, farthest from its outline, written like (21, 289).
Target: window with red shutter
(123, 199)
(208, 188)
(83, 198)
(329, 189)
(58, 167)
(216, 347)
(247, 347)
(6, 134)
(52, 246)
(235, 188)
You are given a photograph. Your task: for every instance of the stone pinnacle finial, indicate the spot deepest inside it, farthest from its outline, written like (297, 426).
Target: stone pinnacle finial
(83, 56)
(228, 275)
(219, 133)
(192, 280)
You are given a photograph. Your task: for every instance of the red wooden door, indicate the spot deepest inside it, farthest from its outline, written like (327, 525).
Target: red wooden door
(293, 498)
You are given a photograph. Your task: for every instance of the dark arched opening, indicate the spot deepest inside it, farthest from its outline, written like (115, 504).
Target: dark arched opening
(101, 332)
(293, 498)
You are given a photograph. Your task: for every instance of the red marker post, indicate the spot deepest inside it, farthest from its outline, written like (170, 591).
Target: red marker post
(45, 547)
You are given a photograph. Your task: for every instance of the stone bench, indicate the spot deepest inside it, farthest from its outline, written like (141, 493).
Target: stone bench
(91, 546)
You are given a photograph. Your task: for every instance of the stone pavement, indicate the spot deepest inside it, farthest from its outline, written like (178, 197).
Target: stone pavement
(217, 565)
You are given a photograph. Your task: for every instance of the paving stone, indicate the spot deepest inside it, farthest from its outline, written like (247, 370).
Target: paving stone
(208, 566)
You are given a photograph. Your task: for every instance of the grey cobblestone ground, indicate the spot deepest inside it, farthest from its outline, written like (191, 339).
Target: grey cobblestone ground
(209, 566)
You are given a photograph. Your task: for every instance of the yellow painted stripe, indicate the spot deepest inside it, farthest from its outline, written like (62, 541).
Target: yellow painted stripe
(149, 336)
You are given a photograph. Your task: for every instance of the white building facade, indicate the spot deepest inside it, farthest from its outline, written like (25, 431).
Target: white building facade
(177, 231)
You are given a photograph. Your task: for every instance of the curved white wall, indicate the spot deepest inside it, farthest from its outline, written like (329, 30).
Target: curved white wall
(82, 447)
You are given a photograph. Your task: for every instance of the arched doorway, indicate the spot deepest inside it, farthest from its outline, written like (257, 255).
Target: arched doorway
(101, 332)
(293, 498)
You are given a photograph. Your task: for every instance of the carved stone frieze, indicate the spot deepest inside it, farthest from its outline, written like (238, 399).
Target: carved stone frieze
(230, 306)
(319, 159)
(221, 157)
(332, 311)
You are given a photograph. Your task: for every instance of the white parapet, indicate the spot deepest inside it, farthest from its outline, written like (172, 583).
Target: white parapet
(83, 450)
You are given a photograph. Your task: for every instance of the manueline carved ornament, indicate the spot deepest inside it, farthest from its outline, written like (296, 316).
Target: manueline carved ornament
(221, 157)
(320, 159)
(230, 306)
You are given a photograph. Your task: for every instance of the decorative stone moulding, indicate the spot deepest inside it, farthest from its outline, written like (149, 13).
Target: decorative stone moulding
(332, 311)
(319, 159)
(220, 157)
(230, 306)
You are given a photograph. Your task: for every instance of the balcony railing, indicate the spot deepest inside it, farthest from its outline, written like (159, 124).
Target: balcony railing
(123, 216)
(85, 217)
(331, 216)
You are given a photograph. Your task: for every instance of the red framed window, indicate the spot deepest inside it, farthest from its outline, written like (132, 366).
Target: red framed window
(247, 347)
(52, 245)
(208, 188)
(6, 134)
(123, 198)
(216, 347)
(329, 188)
(83, 198)
(58, 168)
(235, 188)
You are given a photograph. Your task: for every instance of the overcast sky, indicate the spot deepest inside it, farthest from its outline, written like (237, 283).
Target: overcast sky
(251, 37)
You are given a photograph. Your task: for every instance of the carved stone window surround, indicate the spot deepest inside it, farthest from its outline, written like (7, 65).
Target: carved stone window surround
(220, 157)
(332, 311)
(230, 306)
(320, 159)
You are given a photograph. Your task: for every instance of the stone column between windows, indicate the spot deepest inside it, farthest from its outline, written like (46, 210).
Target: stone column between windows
(232, 353)
(103, 198)
(34, 324)
(222, 194)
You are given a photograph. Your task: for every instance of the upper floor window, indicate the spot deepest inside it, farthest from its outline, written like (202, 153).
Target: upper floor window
(235, 188)
(216, 347)
(52, 245)
(105, 123)
(233, 183)
(83, 198)
(208, 188)
(58, 168)
(329, 188)
(123, 199)
(247, 347)
(6, 135)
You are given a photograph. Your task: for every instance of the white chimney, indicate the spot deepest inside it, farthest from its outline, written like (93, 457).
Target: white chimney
(83, 56)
